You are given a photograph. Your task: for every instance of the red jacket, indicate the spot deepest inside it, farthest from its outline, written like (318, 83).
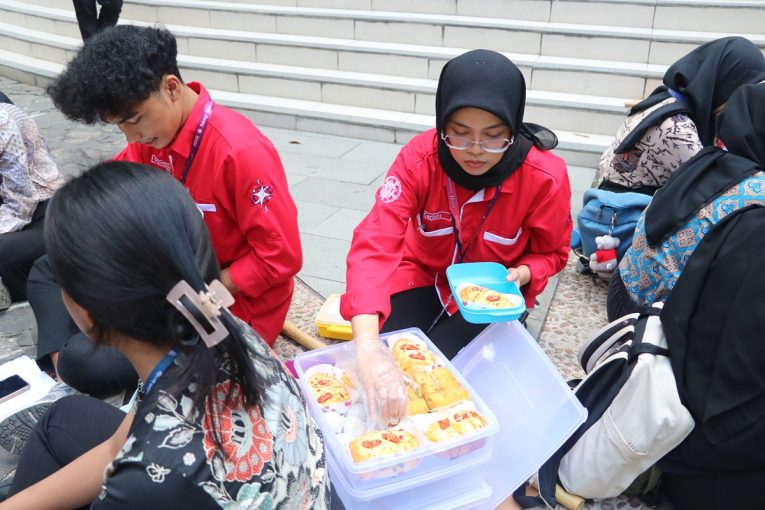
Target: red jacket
(238, 181)
(407, 240)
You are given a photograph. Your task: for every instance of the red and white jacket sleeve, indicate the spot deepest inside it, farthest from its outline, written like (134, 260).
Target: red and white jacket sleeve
(378, 241)
(550, 225)
(271, 230)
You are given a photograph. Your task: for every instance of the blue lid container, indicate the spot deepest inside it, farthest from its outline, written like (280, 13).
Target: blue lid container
(486, 274)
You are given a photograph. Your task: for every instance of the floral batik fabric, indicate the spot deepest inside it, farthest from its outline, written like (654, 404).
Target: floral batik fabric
(650, 272)
(269, 456)
(653, 159)
(28, 174)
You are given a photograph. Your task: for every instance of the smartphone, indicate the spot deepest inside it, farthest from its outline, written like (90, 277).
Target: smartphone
(12, 386)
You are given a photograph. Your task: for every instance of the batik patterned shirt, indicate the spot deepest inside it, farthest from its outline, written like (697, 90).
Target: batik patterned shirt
(650, 272)
(28, 174)
(653, 159)
(272, 455)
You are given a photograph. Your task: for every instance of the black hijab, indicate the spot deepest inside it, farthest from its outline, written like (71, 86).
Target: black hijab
(489, 81)
(713, 321)
(713, 170)
(706, 77)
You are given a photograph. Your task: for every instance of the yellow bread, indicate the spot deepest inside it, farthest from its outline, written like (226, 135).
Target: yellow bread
(379, 443)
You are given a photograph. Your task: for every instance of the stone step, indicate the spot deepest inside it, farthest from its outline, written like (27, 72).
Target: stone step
(577, 148)
(630, 44)
(601, 115)
(561, 74)
(734, 16)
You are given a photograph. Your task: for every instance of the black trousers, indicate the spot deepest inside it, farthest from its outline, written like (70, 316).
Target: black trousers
(19, 250)
(91, 369)
(418, 308)
(91, 20)
(618, 301)
(71, 427)
(4, 98)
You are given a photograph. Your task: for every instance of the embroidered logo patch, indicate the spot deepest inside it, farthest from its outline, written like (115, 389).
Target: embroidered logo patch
(261, 194)
(167, 166)
(390, 189)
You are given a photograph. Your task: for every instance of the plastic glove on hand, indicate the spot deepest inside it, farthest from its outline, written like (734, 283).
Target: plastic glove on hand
(382, 381)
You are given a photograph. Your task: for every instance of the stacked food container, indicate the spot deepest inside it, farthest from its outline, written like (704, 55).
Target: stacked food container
(520, 409)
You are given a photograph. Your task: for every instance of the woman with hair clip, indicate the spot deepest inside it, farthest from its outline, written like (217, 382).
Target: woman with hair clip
(678, 119)
(480, 187)
(218, 422)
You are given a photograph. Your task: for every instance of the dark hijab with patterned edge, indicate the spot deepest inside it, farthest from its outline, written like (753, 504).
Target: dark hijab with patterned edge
(713, 170)
(705, 78)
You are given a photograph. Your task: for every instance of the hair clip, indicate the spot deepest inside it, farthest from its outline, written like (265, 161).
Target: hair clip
(208, 306)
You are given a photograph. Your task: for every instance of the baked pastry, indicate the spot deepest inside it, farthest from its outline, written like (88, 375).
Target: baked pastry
(328, 389)
(379, 443)
(415, 403)
(440, 388)
(412, 355)
(454, 424)
(476, 294)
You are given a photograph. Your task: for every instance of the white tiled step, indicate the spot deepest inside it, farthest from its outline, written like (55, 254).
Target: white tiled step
(532, 37)
(696, 16)
(565, 111)
(563, 74)
(369, 123)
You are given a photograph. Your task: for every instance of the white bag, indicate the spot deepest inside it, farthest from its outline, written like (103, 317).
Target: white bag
(635, 415)
(644, 422)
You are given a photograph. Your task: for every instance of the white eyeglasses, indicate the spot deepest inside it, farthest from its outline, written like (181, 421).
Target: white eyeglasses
(461, 143)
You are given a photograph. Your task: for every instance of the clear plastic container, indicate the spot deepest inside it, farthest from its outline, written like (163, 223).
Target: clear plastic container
(330, 323)
(462, 491)
(536, 409)
(492, 276)
(427, 462)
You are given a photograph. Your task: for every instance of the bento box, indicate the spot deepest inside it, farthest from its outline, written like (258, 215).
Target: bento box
(330, 323)
(449, 423)
(482, 293)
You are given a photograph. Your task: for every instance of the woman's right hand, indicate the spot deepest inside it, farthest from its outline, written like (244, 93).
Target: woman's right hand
(381, 380)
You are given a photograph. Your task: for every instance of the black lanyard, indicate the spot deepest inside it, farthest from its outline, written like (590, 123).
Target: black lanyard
(198, 133)
(457, 218)
(451, 194)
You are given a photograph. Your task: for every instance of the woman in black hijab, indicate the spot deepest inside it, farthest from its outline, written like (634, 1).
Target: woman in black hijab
(712, 185)
(678, 118)
(480, 187)
(713, 320)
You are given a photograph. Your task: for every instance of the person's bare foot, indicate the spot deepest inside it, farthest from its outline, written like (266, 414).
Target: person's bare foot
(510, 504)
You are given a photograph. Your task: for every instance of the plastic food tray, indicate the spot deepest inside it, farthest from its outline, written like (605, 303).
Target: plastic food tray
(429, 461)
(486, 274)
(330, 323)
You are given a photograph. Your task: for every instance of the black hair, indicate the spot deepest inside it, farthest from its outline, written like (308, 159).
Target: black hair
(116, 70)
(119, 237)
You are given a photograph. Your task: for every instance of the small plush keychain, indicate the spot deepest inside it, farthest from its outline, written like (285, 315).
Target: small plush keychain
(604, 259)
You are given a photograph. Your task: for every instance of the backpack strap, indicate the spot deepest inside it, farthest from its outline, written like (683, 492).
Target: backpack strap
(603, 339)
(598, 392)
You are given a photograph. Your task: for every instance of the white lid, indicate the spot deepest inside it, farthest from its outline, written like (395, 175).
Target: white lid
(329, 313)
(536, 409)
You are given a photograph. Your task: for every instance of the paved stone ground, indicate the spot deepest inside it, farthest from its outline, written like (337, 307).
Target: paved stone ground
(344, 174)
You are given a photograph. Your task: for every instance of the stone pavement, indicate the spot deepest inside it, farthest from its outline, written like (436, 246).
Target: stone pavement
(333, 181)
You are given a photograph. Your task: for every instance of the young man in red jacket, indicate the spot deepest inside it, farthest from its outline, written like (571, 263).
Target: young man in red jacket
(128, 76)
